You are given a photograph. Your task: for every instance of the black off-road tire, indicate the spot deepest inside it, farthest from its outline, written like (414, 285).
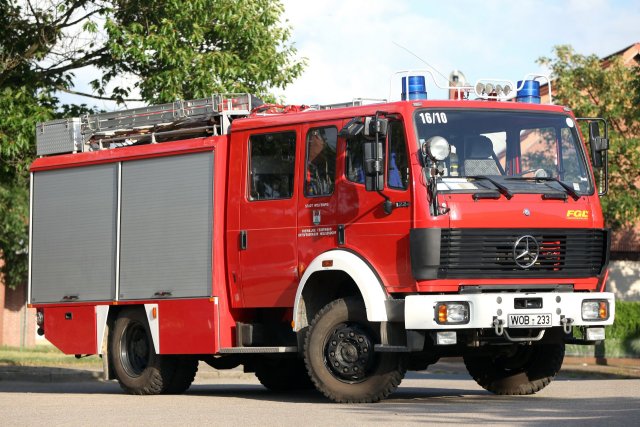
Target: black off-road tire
(526, 370)
(340, 357)
(137, 367)
(283, 374)
(185, 368)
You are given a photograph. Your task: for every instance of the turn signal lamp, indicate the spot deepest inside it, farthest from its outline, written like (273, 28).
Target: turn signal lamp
(595, 310)
(452, 313)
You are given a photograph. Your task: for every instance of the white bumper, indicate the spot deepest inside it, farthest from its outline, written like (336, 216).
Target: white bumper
(419, 310)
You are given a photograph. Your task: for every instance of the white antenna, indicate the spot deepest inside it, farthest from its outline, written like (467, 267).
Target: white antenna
(426, 63)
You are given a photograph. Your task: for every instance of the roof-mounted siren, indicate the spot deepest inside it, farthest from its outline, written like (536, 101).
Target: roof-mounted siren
(457, 81)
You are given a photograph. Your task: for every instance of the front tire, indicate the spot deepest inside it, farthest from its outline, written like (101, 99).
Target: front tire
(340, 357)
(524, 369)
(137, 367)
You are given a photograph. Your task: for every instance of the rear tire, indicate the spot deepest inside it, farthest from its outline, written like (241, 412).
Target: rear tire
(283, 374)
(340, 357)
(136, 366)
(526, 369)
(185, 368)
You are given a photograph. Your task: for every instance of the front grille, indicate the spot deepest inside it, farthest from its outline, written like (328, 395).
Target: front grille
(566, 253)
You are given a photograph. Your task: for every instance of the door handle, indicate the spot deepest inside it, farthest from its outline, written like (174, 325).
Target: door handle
(341, 235)
(243, 240)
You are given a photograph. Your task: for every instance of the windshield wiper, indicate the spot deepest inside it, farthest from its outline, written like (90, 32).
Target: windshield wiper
(570, 191)
(501, 188)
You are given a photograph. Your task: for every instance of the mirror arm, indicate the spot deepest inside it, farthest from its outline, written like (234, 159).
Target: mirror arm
(387, 205)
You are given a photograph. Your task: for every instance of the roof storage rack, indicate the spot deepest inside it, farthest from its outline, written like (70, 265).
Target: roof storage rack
(145, 125)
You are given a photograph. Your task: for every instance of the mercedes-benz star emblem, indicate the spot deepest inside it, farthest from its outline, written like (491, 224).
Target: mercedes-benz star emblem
(526, 251)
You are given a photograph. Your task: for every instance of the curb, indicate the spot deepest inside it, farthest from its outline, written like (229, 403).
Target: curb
(46, 374)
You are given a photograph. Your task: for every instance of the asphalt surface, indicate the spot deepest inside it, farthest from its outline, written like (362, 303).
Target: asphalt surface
(424, 398)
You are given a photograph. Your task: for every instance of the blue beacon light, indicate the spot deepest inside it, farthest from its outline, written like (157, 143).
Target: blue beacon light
(417, 88)
(530, 92)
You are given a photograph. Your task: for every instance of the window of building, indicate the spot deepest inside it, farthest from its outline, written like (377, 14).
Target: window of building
(272, 165)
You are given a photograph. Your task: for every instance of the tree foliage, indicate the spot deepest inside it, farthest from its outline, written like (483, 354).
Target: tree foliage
(609, 89)
(163, 49)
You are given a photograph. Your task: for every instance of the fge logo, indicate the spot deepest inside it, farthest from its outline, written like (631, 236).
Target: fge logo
(577, 214)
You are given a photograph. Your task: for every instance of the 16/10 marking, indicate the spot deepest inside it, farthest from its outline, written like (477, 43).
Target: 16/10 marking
(529, 320)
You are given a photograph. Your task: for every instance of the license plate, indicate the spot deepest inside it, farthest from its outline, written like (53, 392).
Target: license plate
(529, 320)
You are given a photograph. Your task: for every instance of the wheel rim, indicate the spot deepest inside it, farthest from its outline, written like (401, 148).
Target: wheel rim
(134, 350)
(349, 353)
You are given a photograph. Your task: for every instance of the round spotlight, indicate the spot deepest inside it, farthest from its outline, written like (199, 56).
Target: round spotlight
(499, 89)
(489, 88)
(480, 88)
(438, 148)
(506, 89)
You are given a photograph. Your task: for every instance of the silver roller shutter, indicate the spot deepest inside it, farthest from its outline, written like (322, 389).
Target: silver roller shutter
(74, 234)
(166, 226)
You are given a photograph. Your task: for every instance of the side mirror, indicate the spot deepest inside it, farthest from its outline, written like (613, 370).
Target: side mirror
(375, 130)
(373, 165)
(598, 144)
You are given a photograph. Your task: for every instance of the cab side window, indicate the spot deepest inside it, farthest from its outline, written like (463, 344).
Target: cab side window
(320, 175)
(398, 164)
(272, 165)
(354, 168)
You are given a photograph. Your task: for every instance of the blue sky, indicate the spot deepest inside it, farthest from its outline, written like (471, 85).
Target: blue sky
(351, 44)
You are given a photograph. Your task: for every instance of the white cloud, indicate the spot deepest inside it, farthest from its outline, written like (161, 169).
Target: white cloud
(351, 51)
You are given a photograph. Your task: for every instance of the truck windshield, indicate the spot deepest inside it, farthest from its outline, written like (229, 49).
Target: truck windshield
(507, 151)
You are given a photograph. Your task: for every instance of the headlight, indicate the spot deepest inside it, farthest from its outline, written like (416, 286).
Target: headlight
(595, 310)
(438, 148)
(452, 313)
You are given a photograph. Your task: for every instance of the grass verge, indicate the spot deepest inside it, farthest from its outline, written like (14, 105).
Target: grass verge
(44, 355)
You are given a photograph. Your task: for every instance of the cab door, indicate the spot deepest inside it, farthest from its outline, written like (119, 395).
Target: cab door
(317, 222)
(381, 238)
(268, 219)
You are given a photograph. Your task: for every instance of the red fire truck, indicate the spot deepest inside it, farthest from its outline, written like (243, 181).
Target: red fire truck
(330, 247)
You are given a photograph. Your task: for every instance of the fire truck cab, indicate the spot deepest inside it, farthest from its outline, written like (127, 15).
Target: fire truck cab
(333, 248)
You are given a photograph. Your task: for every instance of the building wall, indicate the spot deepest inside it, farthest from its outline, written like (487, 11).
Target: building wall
(624, 280)
(17, 322)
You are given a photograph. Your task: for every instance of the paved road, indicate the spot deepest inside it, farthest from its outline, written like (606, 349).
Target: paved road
(423, 398)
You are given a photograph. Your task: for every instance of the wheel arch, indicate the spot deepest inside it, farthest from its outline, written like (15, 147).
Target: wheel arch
(152, 321)
(347, 274)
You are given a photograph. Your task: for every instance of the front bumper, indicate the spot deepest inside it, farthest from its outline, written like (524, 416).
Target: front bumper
(488, 308)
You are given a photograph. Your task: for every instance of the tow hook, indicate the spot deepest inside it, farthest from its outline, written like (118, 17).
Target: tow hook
(567, 324)
(498, 326)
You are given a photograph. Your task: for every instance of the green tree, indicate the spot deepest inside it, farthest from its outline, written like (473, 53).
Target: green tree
(165, 49)
(609, 89)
